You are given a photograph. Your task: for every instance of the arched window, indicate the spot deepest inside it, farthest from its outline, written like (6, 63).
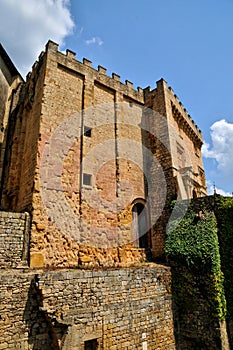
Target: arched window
(140, 226)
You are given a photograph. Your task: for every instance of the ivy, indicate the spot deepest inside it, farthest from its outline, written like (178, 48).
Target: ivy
(194, 241)
(224, 215)
(192, 245)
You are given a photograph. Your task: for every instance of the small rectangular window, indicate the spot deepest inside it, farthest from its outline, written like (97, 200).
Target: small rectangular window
(87, 179)
(87, 131)
(91, 344)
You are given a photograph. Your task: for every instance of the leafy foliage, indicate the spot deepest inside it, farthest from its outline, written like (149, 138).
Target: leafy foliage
(194, 241)
(192, 244)
(224, 214)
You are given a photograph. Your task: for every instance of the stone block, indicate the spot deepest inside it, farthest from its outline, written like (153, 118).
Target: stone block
(36, 260)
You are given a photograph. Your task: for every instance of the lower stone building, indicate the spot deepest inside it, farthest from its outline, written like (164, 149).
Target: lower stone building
(79, 309)
(130, 307)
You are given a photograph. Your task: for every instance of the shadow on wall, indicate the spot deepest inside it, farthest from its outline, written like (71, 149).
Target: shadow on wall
(195, 326)
(44, 332)
(199, 303)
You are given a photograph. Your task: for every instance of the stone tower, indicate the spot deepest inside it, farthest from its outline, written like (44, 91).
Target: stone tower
(95, 162)
(10, 82)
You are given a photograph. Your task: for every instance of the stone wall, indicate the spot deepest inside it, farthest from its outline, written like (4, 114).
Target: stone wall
(14, 239)
(22, 143)
(3, 98)
(83, 190)
(98, 215)
(121, 309)
(196, 324)
(10, 80)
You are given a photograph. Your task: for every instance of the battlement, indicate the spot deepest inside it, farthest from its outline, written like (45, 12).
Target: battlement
(180, 113)
(60, 87)
(100, 72)
(183, 110)
(114, 81)
(83, 240)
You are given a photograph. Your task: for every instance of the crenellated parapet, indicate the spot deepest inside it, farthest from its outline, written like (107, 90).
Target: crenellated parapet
(184, 119)
(179, 112)
(186, 123)
(85, 67)
(62, 91)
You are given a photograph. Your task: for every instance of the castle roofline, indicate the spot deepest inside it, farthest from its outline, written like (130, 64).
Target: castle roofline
(10, 65)
(54, 47)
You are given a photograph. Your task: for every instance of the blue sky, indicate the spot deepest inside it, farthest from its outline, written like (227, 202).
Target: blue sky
(188, 43)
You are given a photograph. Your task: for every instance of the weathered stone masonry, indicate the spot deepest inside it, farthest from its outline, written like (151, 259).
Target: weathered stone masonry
(60, 88)
(14, 239)
(83, 282)
(121, 309)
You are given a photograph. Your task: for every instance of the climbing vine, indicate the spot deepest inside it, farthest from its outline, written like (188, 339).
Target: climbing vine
(192, 245)
(224, 215)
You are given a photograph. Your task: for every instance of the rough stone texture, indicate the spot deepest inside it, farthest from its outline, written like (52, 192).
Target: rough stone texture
(14, 239)
(142, 148)
(134, 155)
(196, 327)
(21, 150)
(176, 141)
(120, 308)
(10, 81)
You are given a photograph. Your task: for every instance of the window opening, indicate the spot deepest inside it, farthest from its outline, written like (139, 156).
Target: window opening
(87, 179)
(140, 226)
(91, 344)
(87, 131)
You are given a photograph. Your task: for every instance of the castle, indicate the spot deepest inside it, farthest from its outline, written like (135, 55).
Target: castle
(76, 142)
(89, 167)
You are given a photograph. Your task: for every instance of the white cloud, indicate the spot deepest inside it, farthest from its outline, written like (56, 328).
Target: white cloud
(212, 188)
(27, 25)
(94, 40)
(222, 146)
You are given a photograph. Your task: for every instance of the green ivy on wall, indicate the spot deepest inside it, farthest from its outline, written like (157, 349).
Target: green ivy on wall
(192, 245)
(224, 215)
